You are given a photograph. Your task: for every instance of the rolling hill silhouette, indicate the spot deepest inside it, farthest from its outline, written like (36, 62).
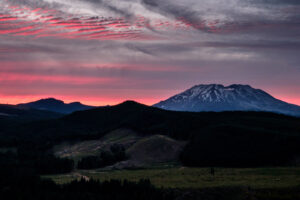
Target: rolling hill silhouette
(221, 138)
(55, 105)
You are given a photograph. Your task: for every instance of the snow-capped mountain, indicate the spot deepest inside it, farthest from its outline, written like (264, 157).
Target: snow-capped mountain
(215, 97)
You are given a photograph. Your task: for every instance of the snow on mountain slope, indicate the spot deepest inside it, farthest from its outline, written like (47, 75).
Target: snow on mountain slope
(215, 97)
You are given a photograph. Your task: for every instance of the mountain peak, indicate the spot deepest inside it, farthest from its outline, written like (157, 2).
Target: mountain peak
(49, 100)
(208, 86)
(235, 97)
(55, 105)
(130, 103)
(216, 86)
(75, 103)
(239, 86)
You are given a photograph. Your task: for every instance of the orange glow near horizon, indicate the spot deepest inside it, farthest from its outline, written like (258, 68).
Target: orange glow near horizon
(13, 100)
(291, 100)
(103, 101)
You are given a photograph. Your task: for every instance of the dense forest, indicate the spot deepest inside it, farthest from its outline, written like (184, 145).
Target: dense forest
(214, 139)
(105, 158)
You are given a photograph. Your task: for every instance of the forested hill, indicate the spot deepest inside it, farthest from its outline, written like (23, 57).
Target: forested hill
(243, 135)
(12, 116)
(15, 113)
(150, 120)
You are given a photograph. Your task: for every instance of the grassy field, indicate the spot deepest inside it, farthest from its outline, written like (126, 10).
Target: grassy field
(182, 177)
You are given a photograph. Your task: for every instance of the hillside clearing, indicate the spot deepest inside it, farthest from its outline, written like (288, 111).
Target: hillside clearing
(142, 151)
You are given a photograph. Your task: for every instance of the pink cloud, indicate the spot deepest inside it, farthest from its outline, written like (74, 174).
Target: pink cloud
(74, 80)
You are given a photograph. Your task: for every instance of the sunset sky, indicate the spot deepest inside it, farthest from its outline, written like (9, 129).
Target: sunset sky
(103, 52)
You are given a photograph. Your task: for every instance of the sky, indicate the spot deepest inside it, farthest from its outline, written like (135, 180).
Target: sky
(104, 52)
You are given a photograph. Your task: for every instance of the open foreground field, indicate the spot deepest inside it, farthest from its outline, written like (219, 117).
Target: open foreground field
(182, 177)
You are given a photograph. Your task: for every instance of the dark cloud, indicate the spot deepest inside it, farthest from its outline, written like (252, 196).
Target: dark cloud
(141, 49)
(107, 5)
(233, 20)
(28, 48)
(36, 4)
(162, 49)
(186, 14)
(263, 44)
(276, 2)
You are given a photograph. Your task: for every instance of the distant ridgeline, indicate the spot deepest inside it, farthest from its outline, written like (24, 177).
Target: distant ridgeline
(55, 105)
(233, 139)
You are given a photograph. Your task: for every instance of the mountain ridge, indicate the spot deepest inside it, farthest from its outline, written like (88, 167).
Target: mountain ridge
(218, 98)
(250, 132)
(55, 105)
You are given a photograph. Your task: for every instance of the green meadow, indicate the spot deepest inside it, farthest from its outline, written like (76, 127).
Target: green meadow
(183, 177)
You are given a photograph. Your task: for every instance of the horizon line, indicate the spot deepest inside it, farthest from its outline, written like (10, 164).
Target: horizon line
(116, 102)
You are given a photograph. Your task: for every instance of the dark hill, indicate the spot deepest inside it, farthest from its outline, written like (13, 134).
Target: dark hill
(16, 114)
(179, 125)
(12, 116)
(260, 138)
(55, 105)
